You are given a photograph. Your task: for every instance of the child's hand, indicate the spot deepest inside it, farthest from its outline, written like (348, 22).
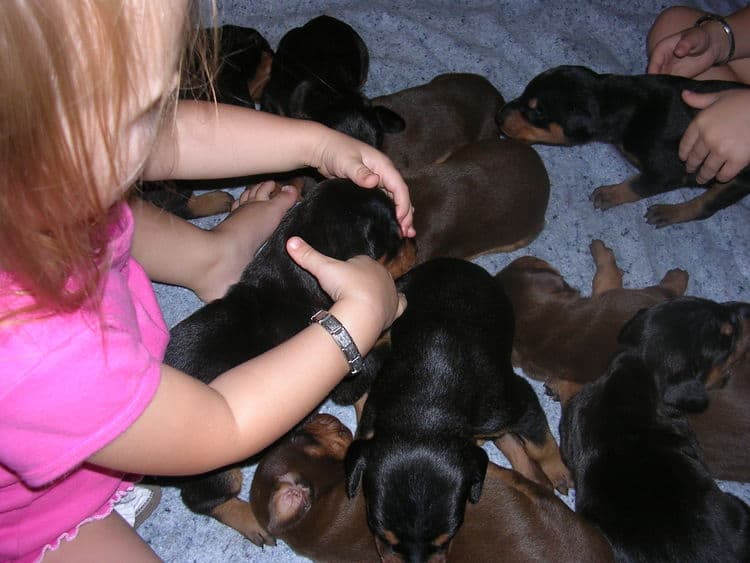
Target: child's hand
(687, 53)
(341, 156)
(717, 141)
(361, 282)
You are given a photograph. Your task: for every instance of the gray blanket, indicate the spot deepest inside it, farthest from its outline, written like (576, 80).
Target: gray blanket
(508, 42)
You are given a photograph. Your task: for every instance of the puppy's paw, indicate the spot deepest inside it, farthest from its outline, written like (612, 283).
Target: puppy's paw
(260, 537)
(551, 391)
(663, 215)
(605, 197)
(210, 203)
(558, 475)
(675, 280)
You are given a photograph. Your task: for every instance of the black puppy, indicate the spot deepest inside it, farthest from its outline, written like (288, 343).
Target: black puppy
(644, 116)
(447, 383)
(639, 475)
(318, 72)
(274, 300)
(244, 66)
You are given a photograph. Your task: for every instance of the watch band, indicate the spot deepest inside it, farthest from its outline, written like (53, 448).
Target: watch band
(342, 337)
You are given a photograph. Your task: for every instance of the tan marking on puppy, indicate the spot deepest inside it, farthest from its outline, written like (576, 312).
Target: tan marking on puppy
(515, 126)
(403, 261)
(512, 448)
(548, 458)
(257, 83)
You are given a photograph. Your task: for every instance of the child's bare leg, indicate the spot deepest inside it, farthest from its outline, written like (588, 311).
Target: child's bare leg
(255, 215)
(175, 251)
(100, 541)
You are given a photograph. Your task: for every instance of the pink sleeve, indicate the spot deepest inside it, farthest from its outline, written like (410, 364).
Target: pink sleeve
(68, 390)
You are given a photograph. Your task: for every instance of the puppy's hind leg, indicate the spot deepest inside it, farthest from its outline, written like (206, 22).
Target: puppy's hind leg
(608, 275)
(532, 428)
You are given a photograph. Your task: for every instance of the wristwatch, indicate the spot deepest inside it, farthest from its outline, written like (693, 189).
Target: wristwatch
(342, 337)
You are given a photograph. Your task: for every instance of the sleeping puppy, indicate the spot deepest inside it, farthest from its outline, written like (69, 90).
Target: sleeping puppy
(274, 300)
(298, 496)
(639, 475)
(448, 112)
(487, 196)
(699, 354)
(644, 116)
(318, 72)
(564, 338)
(447, 383)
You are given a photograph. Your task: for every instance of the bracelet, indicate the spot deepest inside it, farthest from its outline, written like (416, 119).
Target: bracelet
(342, 337)
(727, 29)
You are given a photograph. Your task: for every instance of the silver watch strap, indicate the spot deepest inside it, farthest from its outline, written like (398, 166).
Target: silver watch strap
(342, 337)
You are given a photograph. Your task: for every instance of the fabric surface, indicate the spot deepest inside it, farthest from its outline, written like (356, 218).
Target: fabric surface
(508, 42)
(72, 383)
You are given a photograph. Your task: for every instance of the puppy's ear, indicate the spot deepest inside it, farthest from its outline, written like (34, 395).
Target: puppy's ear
(632, 332)
(477, 470)
(354, 465)
(688, 395)
(390, 121)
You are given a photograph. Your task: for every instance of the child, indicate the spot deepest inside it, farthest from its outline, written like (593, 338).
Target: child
(688, 42)
(88, 107)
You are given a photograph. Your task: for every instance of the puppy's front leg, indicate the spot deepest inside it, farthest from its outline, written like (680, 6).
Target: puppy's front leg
(608, 275)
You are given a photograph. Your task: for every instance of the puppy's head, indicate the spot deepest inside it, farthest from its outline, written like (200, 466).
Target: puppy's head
(415, 495)
(304, 465)
(342, 220)
(347, 111)
(691, 344)
(530, 281)
(558, 107)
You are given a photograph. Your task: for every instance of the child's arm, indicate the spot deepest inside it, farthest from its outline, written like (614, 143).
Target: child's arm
(220, 141)
(190, 427)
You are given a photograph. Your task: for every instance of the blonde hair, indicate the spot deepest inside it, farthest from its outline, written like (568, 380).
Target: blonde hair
(59, 61)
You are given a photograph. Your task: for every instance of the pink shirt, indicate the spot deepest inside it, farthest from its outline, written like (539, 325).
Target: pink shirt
(69, 385)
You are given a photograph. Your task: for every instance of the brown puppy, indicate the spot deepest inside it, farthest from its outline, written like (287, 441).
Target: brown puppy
(561, 335)
(487, 196)
(449, 111)
(298, 495)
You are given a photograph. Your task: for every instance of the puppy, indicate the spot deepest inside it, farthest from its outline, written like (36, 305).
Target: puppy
(274, 300)
(562, 337)
(450, 111)
(447, 383)
(298, 495)
(644, 116)
(638, 472)
(245, 66)
(318, 72)
(699, 353)
(487, 196)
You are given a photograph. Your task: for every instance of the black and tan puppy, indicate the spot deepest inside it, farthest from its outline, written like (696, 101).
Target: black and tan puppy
(487, 196)
(639, 475)
(318, 73)
(447, 383)
(298, 496)
(274, 300)
(564, 338)
(699, 353)
(450, 111)
(644, 116)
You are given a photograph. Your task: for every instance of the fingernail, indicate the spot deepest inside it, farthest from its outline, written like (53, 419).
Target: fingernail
(294, 242)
